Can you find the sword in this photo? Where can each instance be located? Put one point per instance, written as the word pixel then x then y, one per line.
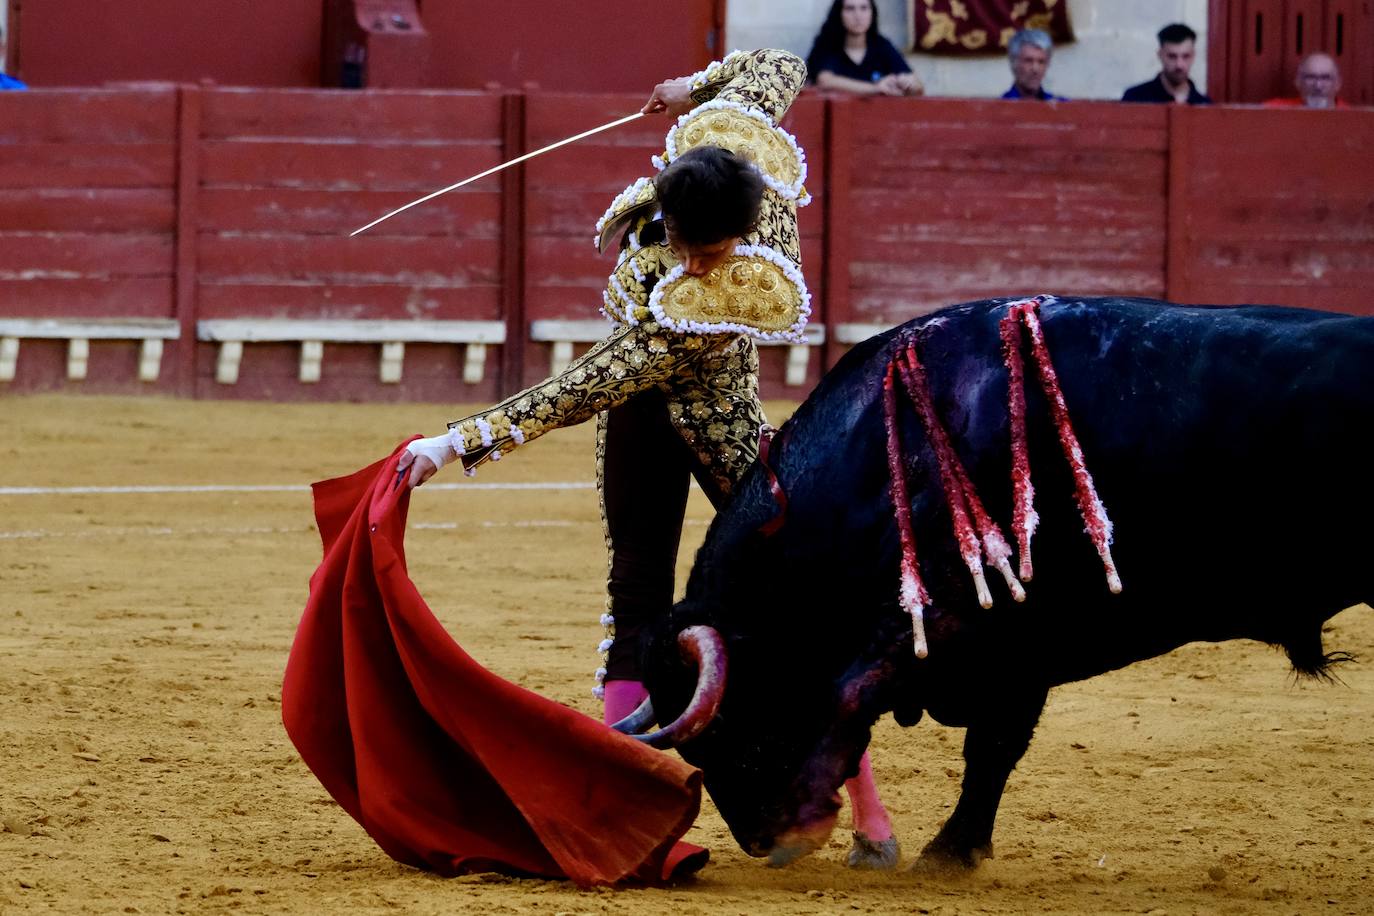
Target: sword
pixel 496 168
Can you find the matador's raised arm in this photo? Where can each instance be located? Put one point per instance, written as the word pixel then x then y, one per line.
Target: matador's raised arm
pixel 766 79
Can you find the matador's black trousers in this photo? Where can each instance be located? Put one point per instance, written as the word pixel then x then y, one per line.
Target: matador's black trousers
pixel 644 474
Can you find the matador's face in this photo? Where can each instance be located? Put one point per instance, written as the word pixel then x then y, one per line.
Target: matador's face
pixel 700 260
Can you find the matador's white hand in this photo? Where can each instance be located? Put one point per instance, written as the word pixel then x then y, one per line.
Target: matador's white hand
pixel 424 458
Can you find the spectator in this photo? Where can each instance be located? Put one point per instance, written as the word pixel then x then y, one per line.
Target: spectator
pixel 1029 53
pixel 851 56
pixel 1177 48
pixel 7 82
pixel 1318 82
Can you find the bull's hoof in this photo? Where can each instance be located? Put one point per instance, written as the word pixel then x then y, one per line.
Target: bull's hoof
pixel 938 858
pixel 878 855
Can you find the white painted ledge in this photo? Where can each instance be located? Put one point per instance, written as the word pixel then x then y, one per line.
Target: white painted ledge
pixel 79 332
pixel 232 333
pixel 858 333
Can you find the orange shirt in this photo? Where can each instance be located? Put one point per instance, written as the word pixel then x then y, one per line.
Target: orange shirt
pixel 1296 103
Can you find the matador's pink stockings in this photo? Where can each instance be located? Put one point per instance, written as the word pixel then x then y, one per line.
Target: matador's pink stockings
pixel 870 817
pixel 622 698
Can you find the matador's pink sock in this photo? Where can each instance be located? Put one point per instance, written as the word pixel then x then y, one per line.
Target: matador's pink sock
pixel 623 698
pixel 870 817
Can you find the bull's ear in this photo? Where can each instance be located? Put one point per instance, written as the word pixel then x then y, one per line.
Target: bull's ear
pixel 688 613
pixel 658 647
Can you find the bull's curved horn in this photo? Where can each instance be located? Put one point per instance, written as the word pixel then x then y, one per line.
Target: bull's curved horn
pixel 639 721
pixel 703 645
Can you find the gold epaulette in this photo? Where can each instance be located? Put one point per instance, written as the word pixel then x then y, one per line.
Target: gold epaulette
pixel 748 132
pixel 756 292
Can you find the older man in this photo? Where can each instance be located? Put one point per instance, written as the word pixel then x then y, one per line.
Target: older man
pixel 1177 51
pixel 1319 84
pixel 1029 53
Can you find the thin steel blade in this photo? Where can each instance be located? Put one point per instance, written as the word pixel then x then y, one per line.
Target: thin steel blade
pixel 496 168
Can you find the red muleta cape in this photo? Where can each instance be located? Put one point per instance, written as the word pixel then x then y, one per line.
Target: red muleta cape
pixel 447 766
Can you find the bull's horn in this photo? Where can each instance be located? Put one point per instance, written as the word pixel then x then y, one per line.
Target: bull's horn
pixel 704 646
pixel 639 721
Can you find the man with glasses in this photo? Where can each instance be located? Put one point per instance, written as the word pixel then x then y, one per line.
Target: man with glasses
pixel 1319 84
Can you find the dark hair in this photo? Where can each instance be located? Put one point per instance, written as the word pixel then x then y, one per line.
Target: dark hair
pixel 1176 34
pixel 830 39
pixel 709 194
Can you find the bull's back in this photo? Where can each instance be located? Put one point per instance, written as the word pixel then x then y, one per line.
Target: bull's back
pixel 1220 441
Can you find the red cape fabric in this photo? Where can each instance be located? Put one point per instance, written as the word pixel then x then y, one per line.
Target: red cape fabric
pixel 447 766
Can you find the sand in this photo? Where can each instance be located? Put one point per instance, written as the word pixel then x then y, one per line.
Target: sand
pixel 144 768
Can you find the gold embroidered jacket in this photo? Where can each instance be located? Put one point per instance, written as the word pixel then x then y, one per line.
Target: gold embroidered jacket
pixel 703 360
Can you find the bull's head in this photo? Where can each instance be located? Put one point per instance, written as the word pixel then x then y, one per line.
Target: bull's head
pixel 774 732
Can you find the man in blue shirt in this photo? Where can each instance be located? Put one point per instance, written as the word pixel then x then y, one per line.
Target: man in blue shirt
pixel 1029 53
pixel 8 82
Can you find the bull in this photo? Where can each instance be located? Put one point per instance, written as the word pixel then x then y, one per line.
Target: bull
pixel 1217 438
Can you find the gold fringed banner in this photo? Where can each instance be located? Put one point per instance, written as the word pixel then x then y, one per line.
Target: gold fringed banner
pixel 982 26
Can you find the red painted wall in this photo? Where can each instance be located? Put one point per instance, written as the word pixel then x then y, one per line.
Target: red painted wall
pixel 244 42
pixel 586 46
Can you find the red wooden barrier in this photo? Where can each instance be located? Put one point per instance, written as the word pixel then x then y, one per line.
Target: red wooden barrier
pixel 807 120
pixel 568 190
pixel 86 216
pixel 952 200
pixel 87 221
pixel 281 186
pixel 1276 206
pixel 205 205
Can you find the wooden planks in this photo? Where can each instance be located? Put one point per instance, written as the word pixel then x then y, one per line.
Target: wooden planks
pixel 210 203
pixel 286 175
pixel 952 201
pixel 87 217
pixel 568 190
pixel 1277 207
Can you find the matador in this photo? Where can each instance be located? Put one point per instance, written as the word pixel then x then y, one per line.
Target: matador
pixel 708 263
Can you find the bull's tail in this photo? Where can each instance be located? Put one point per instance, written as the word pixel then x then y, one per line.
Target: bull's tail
pixel 1310 659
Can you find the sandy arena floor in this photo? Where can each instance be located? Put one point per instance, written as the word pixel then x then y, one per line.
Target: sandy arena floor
pixel 144 769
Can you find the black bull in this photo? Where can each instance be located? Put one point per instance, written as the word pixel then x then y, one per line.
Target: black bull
pixel 1223 445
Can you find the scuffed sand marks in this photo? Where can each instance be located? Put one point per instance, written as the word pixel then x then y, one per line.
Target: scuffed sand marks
pixel 143 767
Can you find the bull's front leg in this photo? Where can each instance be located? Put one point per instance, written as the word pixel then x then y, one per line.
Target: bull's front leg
pixel 995 741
